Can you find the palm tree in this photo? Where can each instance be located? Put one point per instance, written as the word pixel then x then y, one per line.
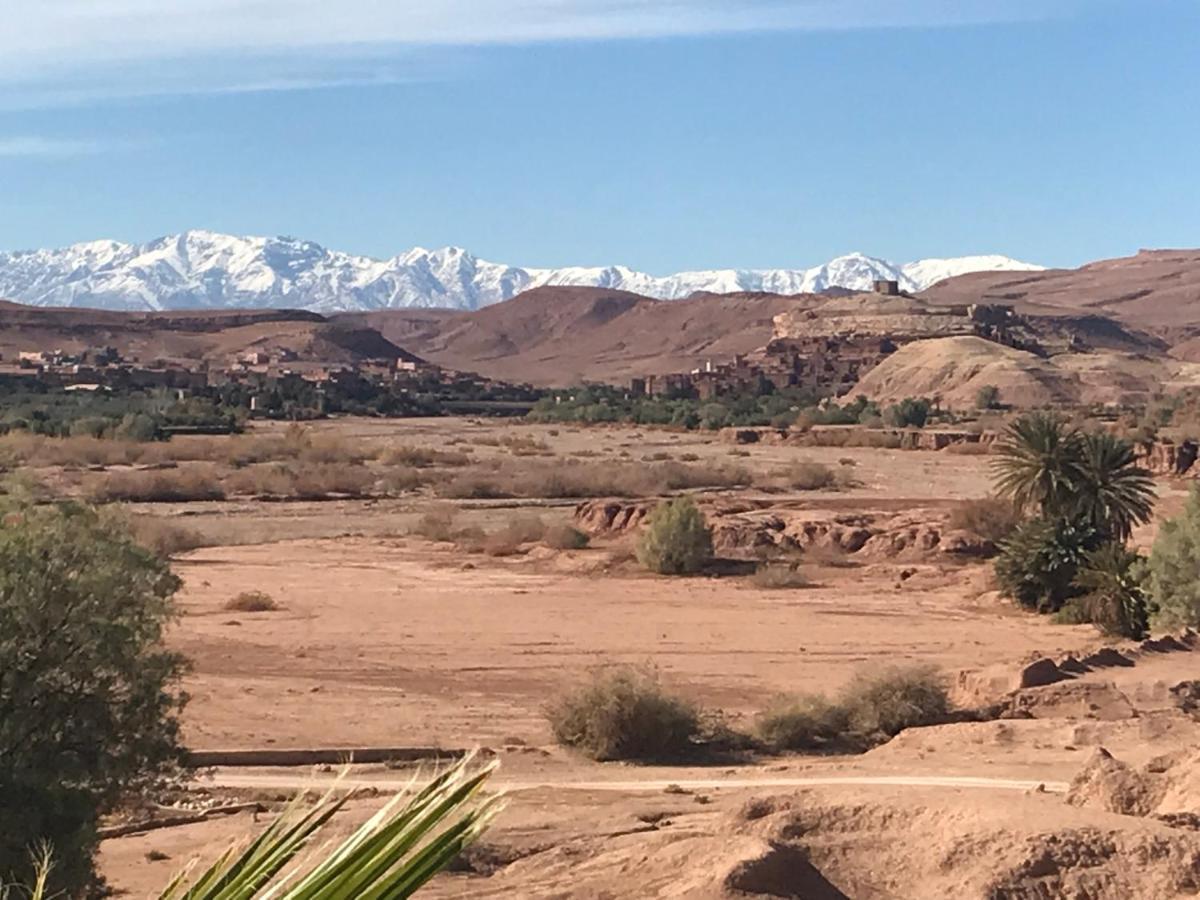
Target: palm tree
pixel 1114 493
pixel 1112 579
pixel 412 838
pixel 1039 464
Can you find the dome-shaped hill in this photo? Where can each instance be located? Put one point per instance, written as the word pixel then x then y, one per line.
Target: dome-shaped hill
pixel 953 369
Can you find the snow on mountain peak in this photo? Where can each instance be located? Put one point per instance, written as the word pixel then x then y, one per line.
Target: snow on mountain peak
pixel 207 269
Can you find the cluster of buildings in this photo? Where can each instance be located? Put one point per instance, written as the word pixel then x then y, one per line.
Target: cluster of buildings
pixel 104 368
pixel 827 346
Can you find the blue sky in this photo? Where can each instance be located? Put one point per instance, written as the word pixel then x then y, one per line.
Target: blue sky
pixel 661 134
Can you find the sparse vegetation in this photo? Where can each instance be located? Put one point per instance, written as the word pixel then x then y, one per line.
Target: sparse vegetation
pixel 987 397
pixel 809 476
pixel 184 484
pixel 438 524
pixel 565 537
pixel 676 540
pixel 625 713
pixel 779 576
pixel 576 478
pixel 991 518
pixel 873 707
pixel 251 602
pixel 888 701
pixel 803 722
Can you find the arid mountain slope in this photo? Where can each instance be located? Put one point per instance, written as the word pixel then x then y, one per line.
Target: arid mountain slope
pixel 214 336
pixel 1157 289
pixel 561 336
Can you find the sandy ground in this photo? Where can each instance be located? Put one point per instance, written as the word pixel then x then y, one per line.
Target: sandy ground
pixel 384 638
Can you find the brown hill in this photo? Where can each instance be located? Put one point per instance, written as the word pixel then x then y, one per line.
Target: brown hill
pixel 564 335
pixel 953 369
pixel 214 336
pixel 1156 289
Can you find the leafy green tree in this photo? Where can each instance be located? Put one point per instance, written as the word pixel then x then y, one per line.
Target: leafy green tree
pixel 677 539
pixel 1039 464
pixel 1114 596
pixel 89 697
pixel 908 413
pixel 1113 493
pixel 1174 568
pixel 987 397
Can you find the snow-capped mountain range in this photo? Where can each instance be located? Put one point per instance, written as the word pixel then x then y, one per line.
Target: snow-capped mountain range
pixel 204 269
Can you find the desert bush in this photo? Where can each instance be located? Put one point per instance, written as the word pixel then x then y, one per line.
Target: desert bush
pixel 908 413
pixel 991 518
pixel 624 714
pixel 779 577
pixel 37 450
pixel 401 480
pixel 89 697
pixel 251 602
pixel 1174 564
pixel 896 698
pixel 161 537
pixel 688 457
pixel 809 476
pixel 181 485
pixel 565 537
pixel 987 397
pixel 524 528
pixel 525 445
pixel 438 524
pixel 676 540
pixel 802 722
pixel 830 556
pixel 1039 560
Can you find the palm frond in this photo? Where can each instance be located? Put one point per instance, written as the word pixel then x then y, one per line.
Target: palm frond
pixel 413 837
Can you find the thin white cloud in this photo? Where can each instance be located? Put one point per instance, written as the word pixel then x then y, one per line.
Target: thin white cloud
pixel 38 147
pixel 56 46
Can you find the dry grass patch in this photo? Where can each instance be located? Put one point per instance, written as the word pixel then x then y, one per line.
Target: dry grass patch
pixel 162 537
pixel 779 577
pixel 577 479
pixel 565 537
pixel 252 602
pixel 438 524
pixel 81 450
pixel 423 457
pixel 302 481
pixel 182 485
pixel 991 518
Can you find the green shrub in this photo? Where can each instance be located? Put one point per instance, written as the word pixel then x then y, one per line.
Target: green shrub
pixel 908 413
pixel 803 722
pixel 625 714
pixel 896 698
pixel 1114 597
pixel 89 697
pixel 987 397
pixel 1038 562
pixel 1174 568
pixel 677 540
